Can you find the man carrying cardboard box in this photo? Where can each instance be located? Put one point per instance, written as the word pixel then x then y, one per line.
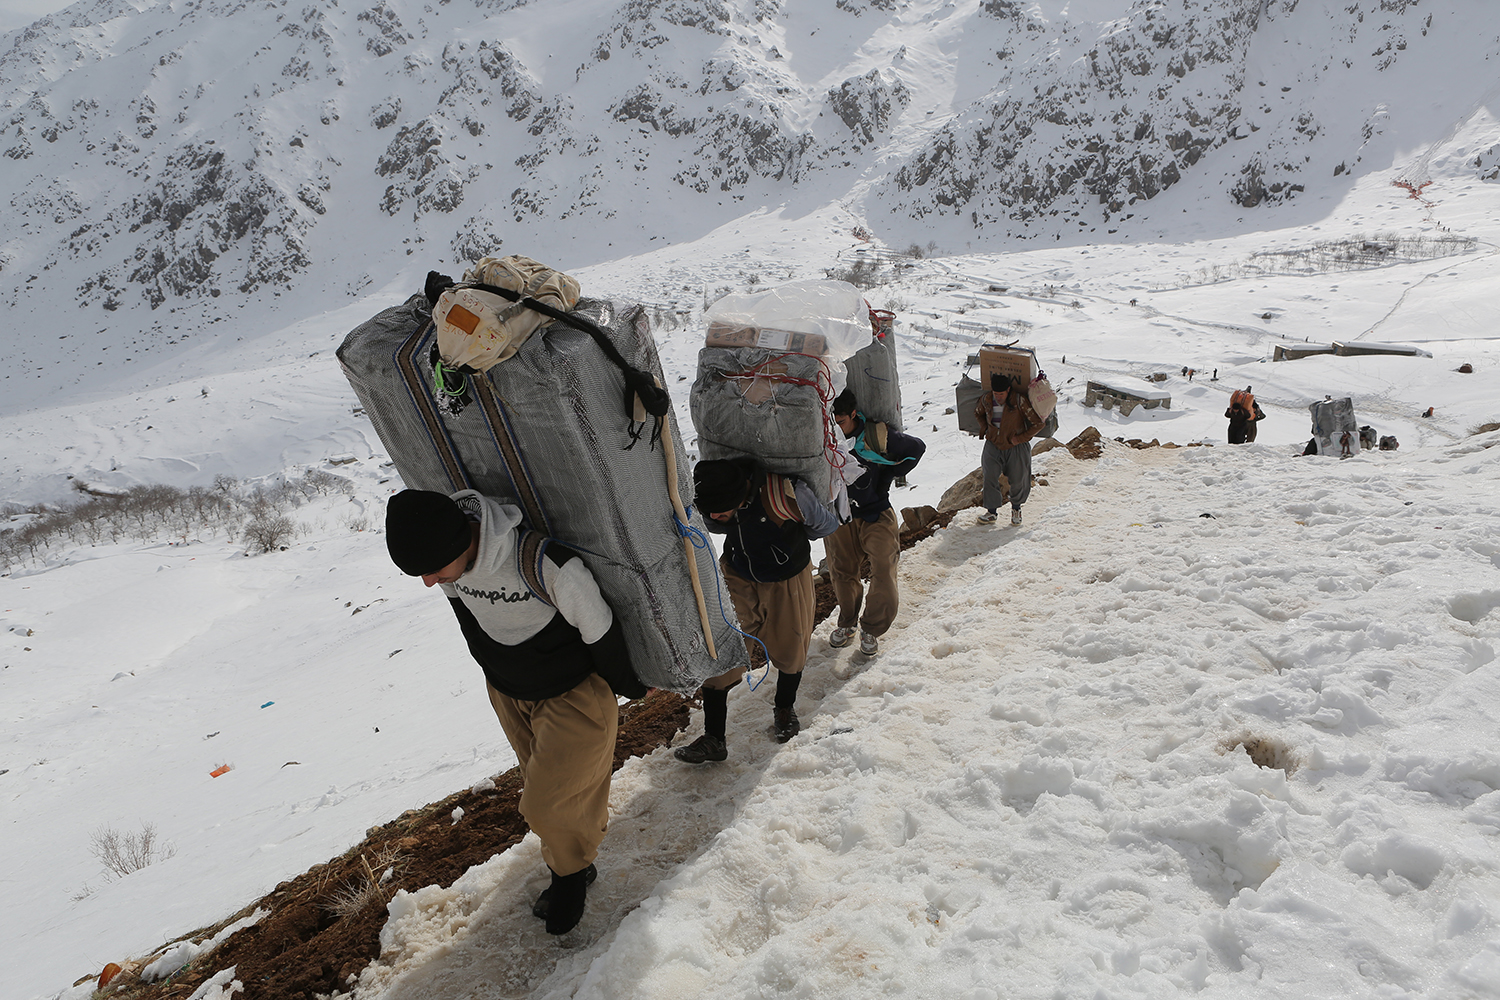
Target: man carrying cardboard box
pixel 1008 422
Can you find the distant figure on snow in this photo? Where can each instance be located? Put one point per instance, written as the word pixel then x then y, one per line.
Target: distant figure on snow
pixel 1008 422
pixel 1241 412
pixel 1346 442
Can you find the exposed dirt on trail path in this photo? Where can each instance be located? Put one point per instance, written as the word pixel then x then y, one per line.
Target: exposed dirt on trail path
pixel 324 925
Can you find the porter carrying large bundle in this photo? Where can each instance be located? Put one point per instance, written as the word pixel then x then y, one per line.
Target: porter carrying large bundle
pixel 767 379
pixel 547 428
pixel 1330 419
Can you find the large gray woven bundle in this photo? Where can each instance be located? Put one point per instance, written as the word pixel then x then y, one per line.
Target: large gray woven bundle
pixel 1330 419
pixel 786 431
pixel 557 409
pixel 875 381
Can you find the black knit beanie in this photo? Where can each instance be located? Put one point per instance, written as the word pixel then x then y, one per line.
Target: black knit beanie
pixel 722 484
pixel 425 531
pixel 844 404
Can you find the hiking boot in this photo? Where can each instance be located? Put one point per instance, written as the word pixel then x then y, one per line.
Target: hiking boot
pixel 1015 515
pixel 543 904
pixel 988 517
pixel 565 899
pixel 840 637
pixel 868 644
pixel 787 726
pixel 704 749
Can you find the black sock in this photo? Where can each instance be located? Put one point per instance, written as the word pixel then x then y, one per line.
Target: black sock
pixel 786 688
pixel 715 712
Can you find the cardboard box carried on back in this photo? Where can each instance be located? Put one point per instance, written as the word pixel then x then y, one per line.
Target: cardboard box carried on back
pixel 730 335
pixel 1019 363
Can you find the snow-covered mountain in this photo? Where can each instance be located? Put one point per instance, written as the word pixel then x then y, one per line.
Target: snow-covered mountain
pixel 176 170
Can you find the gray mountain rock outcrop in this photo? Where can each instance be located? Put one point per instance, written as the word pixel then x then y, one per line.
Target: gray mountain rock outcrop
pixel 174 154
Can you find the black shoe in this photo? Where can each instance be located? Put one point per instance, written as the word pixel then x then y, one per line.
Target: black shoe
pixel 702 750
pixel 543 902
pixel 561 904
pixel 787 726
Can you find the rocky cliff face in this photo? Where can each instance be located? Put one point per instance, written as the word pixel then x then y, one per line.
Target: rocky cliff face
pixel 1106 117
pixel 202 148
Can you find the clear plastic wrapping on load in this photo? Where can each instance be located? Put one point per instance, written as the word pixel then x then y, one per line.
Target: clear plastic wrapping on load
pixel 825 318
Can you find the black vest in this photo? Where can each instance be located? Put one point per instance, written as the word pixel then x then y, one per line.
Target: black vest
pixel 760 551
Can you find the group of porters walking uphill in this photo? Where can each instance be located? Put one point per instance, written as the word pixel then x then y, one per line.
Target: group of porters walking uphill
pixel 554 667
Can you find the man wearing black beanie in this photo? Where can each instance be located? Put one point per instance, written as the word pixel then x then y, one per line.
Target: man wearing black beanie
pixel 550 661
pixel 767 521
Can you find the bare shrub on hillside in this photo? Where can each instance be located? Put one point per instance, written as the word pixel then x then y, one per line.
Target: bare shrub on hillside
pixel 269 499
pixel 668 317
pixel 864 272
pixel 149 513
pixel 124 853
pixel 1357 253
pixel 354 896
pixel 319 482
pixel 710 296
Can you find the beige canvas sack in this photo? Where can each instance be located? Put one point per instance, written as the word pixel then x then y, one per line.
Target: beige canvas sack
pixel 481 329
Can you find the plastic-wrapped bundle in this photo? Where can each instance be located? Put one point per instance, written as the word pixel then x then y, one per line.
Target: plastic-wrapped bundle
pixel 779 417
pixel 1330 419
pixel 767 379
pixel 545 429
pixel 875 381
pixel 831 316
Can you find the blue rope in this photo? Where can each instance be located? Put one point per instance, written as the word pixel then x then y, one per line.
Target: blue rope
pixel 700 541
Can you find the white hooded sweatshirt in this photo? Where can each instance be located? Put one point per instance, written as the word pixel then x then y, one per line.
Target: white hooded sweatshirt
pixel 495 592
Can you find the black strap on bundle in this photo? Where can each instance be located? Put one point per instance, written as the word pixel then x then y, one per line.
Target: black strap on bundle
pixel 638 384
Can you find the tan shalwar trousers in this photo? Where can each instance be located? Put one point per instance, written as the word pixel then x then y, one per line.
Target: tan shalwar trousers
pixel 850 549
pixel 566 748
pixel 779 614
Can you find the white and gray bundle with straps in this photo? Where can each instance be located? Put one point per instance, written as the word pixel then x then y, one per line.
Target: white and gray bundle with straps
pixel 574 429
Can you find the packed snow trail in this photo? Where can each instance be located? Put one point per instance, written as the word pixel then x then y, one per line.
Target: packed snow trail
pixel 1041 785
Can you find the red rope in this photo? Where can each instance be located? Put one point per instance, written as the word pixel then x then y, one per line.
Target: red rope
pixel 822 384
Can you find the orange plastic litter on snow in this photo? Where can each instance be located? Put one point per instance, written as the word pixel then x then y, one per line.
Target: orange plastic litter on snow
pixel 110 971
pixel 221 769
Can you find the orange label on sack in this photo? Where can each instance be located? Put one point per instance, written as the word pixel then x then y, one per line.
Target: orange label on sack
pixel 463 319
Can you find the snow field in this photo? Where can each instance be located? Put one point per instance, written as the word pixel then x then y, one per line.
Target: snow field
pixel 1040 786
